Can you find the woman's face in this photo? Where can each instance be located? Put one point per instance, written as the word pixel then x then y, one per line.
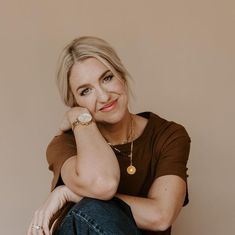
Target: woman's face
pixel 96 88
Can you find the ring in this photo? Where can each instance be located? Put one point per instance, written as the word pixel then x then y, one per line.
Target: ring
pixel 37 227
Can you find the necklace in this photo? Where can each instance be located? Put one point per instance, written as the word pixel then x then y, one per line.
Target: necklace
pixel 131 168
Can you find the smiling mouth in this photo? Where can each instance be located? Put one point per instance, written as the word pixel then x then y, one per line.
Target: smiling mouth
pixel 109 106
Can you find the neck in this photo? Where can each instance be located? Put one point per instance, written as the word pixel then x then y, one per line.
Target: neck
pixel 117 133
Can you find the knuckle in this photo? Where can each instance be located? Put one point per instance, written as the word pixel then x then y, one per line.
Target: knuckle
pixel 36 213
pixel 39 213
pixel 46 215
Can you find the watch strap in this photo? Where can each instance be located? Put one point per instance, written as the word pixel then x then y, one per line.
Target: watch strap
pixel 77 122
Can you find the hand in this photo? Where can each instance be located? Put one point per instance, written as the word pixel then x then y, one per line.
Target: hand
pixel 55 201
pixel 70 116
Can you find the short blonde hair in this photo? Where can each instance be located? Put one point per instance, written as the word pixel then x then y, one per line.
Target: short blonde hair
pixel 80 49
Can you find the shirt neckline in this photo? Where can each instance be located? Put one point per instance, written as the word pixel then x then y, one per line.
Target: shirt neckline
pixel 140 138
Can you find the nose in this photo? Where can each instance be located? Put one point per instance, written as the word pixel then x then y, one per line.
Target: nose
pixel 102 95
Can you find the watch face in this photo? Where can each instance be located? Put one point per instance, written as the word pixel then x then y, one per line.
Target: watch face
pixel 85 118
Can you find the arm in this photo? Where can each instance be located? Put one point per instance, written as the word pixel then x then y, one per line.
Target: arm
pixel 94 171
pixel 78 173
pixel 159 210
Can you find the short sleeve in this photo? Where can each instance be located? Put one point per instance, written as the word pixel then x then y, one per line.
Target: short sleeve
pixel 58 151
pixel 174 153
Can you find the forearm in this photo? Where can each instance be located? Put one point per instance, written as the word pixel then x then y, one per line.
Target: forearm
pixel 148 213
pixel 95 156
pixel 94 171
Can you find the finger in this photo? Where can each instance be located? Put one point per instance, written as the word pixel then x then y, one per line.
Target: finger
pixel 46 228
pixel 65 124
pixel 60 132
pixel 36 228
pixel 45 224
pixel 40 222
pixel 29 232
pixel 32 229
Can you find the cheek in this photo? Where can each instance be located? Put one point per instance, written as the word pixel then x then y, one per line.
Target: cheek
pixel 86 102
pixel 120 87
pixel 124 91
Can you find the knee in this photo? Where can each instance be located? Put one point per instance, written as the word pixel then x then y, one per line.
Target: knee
pixel 88 204
pixel 101 215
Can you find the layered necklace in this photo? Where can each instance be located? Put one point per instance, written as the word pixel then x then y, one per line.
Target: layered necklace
pixel 131 168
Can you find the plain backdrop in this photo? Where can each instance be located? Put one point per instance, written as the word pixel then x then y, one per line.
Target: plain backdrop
pixel 181 55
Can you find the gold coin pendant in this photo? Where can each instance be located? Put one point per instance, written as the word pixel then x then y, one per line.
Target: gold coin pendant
pixel 131 170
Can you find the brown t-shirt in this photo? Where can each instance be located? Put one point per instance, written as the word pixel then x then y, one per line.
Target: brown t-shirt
pixel 162 149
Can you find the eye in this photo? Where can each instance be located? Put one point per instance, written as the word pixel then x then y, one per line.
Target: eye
pixel 108 78
pixel 85 91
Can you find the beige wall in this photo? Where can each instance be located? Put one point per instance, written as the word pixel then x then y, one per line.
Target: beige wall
pixel 182 57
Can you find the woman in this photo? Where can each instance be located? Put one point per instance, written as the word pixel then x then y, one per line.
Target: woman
pixel 115 172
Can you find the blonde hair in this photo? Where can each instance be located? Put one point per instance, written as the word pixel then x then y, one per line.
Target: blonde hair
pixel 83 48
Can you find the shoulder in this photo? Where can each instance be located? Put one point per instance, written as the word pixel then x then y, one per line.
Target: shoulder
pixel 62 138
pixel 161 132
pixel 63 143
pixel 162 125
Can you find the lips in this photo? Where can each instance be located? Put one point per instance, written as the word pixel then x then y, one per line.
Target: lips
pixel 109 106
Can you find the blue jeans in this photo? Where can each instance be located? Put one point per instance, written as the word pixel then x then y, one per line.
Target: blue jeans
pixel 93 216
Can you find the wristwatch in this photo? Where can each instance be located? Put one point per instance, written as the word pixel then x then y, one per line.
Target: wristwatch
pixel 84 119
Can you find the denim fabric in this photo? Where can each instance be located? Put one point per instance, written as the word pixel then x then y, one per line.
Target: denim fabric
pixel 93 216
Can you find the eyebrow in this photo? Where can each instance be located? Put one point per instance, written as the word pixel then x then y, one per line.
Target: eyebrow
pixel 100 77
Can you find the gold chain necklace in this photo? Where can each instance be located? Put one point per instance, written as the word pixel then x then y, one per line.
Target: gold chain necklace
pixel 131 168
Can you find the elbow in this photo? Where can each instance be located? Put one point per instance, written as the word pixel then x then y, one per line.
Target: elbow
pixel 164 224
pixel 104 189
pixel 161 222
